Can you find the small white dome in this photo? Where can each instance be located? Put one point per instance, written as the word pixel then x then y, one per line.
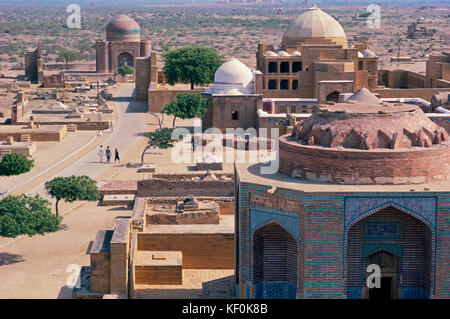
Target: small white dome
pixel 234 78
pixel 296 53
pixel 270 53
pixel 283 53
pixel 368 53
pixel 233 72
pixel 360 55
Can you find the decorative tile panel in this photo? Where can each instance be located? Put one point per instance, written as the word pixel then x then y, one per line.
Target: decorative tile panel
pixel 424 208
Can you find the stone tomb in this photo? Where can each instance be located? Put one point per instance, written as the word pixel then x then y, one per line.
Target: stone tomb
pixel 158 268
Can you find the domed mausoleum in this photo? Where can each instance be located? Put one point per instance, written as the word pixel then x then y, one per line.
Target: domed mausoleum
pixel 123 28
pixel 122 46
pixel 367 144
pixel 354 184
pixel 314 61
pixel 314 26
pixel 234 97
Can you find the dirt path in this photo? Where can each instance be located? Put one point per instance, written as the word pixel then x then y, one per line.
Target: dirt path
pixel 35 267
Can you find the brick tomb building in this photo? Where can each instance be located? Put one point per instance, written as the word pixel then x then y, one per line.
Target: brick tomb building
pixel 358 184
pixel 122 46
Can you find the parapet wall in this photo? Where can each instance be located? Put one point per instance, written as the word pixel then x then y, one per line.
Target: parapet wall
pixel 347 166
pixel 165 188
pixel 425 94
pixel 157 98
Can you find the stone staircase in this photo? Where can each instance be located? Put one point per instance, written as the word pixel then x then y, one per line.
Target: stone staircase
pixel 25 138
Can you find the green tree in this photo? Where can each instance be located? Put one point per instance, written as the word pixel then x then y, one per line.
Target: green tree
pixel 161 139
pixel 15 164
pixel 186 106
pixel 72 188
pixel 28 215
pixel 125 69
pixel 67 56
pixel 192 64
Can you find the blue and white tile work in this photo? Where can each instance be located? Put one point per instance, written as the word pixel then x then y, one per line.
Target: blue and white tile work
pixel 321 222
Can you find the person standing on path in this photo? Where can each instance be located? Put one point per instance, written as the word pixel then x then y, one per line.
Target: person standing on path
pixel 101 153
pixel 108 154
pixel 116 156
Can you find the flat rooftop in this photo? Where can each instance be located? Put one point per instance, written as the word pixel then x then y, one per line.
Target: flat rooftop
pixel 251 173
pixel 22 129
pixel 225 226
pixel 191 288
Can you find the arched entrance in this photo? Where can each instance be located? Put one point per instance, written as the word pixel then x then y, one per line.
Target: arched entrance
pixel 388 264
pixel 125 59
pixel 333 97
pixel 275 262
pixel 400 244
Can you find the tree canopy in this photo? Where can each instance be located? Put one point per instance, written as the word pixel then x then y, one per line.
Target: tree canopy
pixel 192 64
pixel 160 138
pixel 72 188
pixel 186 106
pixel 15 164
pixel 125 69
pixel 28 215
pixel 65 55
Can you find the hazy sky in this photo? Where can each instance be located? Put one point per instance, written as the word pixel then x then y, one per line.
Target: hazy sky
pixel 319 2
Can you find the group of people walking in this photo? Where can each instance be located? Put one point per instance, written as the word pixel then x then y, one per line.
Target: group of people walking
pixel 102 152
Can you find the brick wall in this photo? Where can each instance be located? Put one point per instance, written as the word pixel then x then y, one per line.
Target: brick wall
pixel 323 217
pixel 425 94
pixel 120 247
pixel 165 188
pixel 157 98
pixel 349 167
pixel 200 251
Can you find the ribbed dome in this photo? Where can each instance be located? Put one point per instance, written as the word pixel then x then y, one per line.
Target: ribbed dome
pixel 368 53
pixel 315 26
pixel 233 77
pixel 363 95
pixel 123 28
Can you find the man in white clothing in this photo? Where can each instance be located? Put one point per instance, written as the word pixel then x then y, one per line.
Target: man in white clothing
pixel 101 152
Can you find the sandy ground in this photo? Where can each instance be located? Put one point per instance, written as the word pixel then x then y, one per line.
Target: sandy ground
pixel 35 267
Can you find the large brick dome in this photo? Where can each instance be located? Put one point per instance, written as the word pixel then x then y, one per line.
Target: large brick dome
pixel 123 28
pixel 314 26
pixel 367 144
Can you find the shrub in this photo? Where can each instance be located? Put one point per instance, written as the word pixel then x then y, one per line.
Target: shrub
pixel 15 164
pixel 125 69
pixel 26 215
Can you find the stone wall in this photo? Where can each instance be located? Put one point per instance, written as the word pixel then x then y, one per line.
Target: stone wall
pixel 159 97
pixel 100 280
pixel 37 135
pixel 425 94
pixel 120 249
pixel 165 188
pixel 200 250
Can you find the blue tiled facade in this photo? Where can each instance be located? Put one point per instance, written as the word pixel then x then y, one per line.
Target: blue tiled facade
pixel 321 222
